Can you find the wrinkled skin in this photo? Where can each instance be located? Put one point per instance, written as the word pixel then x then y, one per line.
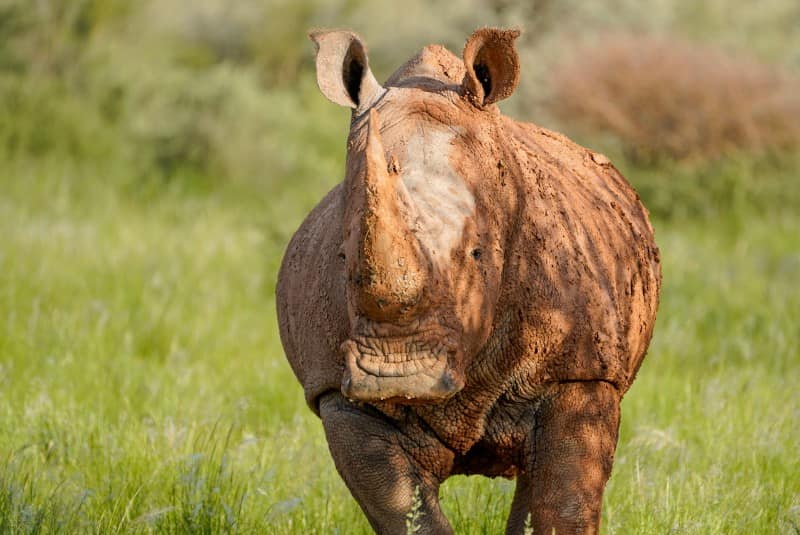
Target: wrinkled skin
pixel 474 298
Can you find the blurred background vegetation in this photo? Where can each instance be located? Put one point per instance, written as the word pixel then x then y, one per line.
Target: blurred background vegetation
pixel 215 94
pixel 156 156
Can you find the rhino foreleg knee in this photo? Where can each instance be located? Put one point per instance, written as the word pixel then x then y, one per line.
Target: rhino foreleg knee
pixel 382 466
pixel 569 461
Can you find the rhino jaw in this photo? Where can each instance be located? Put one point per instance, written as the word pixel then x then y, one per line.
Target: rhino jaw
pixel 418 377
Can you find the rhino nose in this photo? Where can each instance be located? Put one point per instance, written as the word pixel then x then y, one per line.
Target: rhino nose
pixel 390 294
pixel 390 271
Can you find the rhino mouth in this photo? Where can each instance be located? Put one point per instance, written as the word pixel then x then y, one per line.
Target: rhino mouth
pixel 417 368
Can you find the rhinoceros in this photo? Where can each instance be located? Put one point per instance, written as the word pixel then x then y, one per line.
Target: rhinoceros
pixel 475 297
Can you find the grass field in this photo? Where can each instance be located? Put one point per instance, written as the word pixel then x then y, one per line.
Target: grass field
pixel 143 387
pixel 155 158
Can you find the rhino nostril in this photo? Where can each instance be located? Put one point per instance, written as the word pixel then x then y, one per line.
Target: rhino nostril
pixel 357 278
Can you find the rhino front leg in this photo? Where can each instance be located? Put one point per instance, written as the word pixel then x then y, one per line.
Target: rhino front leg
pixel 569 461
pixel 382 466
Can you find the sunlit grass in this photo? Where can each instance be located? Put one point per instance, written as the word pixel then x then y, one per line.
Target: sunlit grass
pixel 155 157
pixel 144 387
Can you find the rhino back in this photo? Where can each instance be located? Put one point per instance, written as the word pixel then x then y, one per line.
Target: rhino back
pixel 310 292
pixel 585 260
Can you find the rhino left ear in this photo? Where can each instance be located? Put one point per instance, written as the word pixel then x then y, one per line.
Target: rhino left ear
pixel 492 65
pixel 343 73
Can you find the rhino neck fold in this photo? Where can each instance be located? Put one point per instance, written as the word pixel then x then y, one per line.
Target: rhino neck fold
pixel 391 266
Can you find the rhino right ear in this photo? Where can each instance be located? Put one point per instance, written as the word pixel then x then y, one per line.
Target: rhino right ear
pixel 492 65
pixel 343 73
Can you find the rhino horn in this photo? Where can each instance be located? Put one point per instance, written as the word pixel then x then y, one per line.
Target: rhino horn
pixel 391 273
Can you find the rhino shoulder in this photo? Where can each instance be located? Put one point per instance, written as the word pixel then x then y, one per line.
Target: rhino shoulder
pixel 541 142
pixel 590 242
pixel 310 297
pixel 311 239
pixel 573 168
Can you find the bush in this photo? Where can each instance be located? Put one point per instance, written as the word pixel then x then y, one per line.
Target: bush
pixel 741 186
pixel 666 98
pixel 41 116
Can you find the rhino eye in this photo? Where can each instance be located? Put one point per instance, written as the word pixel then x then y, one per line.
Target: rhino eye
pixel 476 254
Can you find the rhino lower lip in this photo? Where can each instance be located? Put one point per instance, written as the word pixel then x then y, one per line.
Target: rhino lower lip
pixel 395 357
pixel 422 374
pixel 412 365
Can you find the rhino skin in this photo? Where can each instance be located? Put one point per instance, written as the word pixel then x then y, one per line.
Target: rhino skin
pixel 475 297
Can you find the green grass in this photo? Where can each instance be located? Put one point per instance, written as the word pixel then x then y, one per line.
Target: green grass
pixel 155 158
pixel 143 387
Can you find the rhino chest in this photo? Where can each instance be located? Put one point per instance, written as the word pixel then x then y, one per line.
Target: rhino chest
pixel 480 418
pixel 494 442
pixel 484 410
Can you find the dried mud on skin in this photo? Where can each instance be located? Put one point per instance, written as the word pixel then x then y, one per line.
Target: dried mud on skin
pixel 477 289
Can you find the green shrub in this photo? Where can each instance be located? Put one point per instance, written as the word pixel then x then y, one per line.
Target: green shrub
pixel 42 116
pixel 740 185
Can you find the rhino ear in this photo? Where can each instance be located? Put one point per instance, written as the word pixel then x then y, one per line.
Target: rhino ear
pixel 492 65
pixel 343 73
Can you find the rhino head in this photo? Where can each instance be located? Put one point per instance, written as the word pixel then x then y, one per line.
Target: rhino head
pixel 423 235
